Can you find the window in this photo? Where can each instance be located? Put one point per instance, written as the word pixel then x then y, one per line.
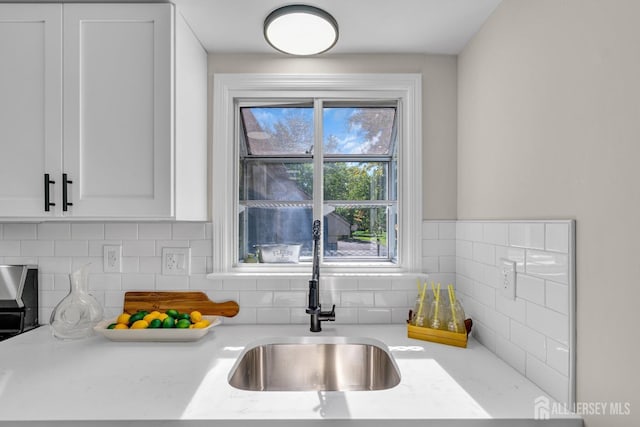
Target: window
pixel 342 150
pixel 355 167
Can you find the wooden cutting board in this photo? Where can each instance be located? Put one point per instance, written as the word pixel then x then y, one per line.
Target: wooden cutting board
pixel 184 302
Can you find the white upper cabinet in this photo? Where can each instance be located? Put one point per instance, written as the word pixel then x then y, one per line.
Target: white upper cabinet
pixel 118 114
pixel 30 107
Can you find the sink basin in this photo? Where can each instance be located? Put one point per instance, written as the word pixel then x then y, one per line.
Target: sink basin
pixel 315 364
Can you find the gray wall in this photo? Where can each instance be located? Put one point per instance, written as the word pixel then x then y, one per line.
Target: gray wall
pixel 549 127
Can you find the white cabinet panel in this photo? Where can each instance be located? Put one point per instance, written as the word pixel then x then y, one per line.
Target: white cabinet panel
pixel 118 133
pixel 30 106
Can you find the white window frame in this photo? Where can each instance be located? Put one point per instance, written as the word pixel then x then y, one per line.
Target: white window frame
pixel 228 88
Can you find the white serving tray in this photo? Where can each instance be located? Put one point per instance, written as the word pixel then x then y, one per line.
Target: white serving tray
pixel 158 334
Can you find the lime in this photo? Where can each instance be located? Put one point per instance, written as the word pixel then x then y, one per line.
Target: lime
pixel 185 316
pixel 135 317
pixel 111 326
pixel 183 324
pixel 173 313
pixel 169 322
pixel 155 323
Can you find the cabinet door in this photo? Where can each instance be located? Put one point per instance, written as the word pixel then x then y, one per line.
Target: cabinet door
pixel 118 115
pixel 30 107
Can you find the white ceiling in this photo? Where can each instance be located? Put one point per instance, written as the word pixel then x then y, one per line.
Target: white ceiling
pixel 366 26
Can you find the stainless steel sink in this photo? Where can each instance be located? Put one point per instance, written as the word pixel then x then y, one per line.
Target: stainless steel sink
pixel 315 364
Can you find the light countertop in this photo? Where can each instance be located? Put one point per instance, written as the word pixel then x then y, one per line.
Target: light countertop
pixel 45 381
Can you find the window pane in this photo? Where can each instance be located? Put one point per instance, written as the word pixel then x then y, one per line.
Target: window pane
pixel 276 180
pixel 277 130
pixel 359 233
pixel 275 225
pixel 362 130
pixel 355 181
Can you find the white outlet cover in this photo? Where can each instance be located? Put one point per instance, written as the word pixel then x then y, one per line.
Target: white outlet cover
pixel 508 278
pixel 112 258
pixel 176 261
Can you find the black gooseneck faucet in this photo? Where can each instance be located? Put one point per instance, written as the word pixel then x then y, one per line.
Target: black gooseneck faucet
pixel 315 308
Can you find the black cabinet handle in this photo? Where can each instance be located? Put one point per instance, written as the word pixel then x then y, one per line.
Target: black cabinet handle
pixel 47 195
pixel 65 200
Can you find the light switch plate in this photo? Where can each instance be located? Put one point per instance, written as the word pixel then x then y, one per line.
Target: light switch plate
pixel 176 261
pixel 508 278
pixel 112 258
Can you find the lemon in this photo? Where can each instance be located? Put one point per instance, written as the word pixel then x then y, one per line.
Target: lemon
pixel 201 324
pixel 162 316
pixel 140 324
pixel 149 317
pixel 121 326
pixel 195 316
pixel 123 318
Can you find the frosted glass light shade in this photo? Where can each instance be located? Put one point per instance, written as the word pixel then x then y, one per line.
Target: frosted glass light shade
pixel 301 30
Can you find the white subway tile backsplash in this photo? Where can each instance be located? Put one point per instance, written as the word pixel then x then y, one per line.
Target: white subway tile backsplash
pixel 138 248
pixel 391 299
pixel 150 264
pixel 514 309
pixel 201 247
pixel 291 299
pixel 272 315
pixel 138 282
pixel 548 265
pixel 557 297
pixel 496 233
pixel 53 231
pixel 189 230
pixel 121 231
pixel 430 230
pixel 82 231
pixel 547 378
pixel 374 315
pixel 464 249
pixel 531 341
pixel 9 247
pixel 558 356
pixel 527 235
pixel 170 283
pixel 548 322
pixel 484 253
pixel 523 332
pixel 71 248
pixel 357 299
pixel 374 284
pixel 19 232
pixel 37 248
pixel 511 353
pixel 447 230
pixel 530 288
pixel 154 231
pixel 557 237
pixel 256 299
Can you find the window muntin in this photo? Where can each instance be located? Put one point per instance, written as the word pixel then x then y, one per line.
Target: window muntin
pixel 278 166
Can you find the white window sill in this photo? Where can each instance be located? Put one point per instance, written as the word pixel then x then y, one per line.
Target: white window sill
pixel 307 274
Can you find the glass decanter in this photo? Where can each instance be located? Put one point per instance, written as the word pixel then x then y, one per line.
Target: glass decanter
pixel 76 315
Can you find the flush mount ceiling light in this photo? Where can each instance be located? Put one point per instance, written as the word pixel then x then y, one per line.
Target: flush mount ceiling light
pixel 299 29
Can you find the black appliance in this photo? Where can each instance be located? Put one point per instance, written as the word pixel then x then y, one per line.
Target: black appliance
pixel 18 299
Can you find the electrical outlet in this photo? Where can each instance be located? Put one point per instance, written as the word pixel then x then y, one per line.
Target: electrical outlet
pixel 508 278
pixel 112 258
pixel 176 261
